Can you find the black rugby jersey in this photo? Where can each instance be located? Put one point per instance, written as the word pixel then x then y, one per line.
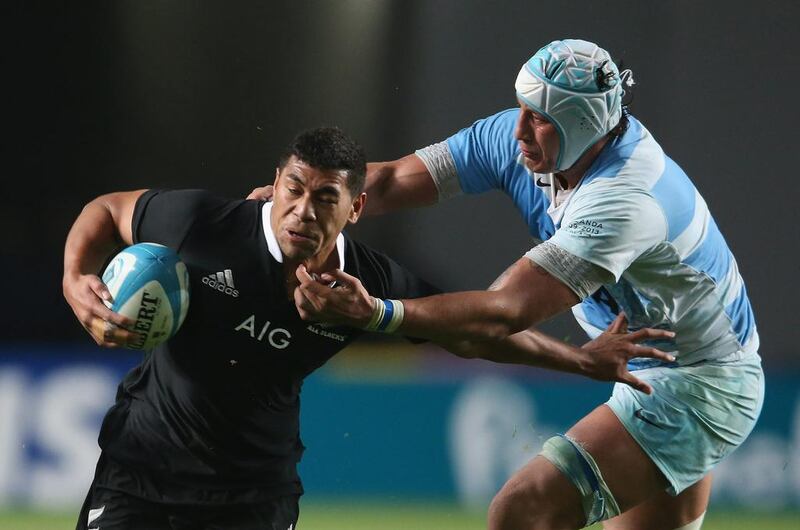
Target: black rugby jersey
pixel 212 415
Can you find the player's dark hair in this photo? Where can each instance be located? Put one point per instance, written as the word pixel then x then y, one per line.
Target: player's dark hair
pixel 624 122
pixel 330 148
pixel 622 125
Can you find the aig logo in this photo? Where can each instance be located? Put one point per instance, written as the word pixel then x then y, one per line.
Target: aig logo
pixel 278 338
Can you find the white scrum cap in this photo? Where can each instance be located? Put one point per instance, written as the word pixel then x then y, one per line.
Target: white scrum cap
pixel 577 87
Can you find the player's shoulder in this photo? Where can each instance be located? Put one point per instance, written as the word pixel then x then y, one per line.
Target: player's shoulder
pixel 199 201
pixel 381 275
pixel 492 137
pixel 363 261
pixel 179 212
pixel 505 115
pixel 503 121
pixel 631 162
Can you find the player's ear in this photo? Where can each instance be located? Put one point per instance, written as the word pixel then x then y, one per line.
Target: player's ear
pixel 357 207
pixel 277 174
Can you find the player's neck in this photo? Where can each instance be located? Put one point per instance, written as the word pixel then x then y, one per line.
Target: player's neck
pixel 324 261
pixel 569 178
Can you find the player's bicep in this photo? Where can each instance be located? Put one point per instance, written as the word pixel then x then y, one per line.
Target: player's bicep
pixel 531 293
pixel 167 216
pixel 403 183
pixel 120 206
pixel 480 153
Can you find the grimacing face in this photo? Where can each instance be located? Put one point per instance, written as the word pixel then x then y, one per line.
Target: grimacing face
pixel 311 206
pixel 538 140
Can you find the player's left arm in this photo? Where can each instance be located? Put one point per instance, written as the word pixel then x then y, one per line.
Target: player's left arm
pixel 604 358
pixel 523 296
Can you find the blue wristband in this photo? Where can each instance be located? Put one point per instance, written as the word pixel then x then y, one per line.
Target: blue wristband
pixel 387 316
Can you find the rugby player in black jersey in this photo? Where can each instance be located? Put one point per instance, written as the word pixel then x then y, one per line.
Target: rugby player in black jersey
pixel 205 431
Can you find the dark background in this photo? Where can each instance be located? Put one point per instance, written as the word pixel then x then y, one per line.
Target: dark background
pixel 127 95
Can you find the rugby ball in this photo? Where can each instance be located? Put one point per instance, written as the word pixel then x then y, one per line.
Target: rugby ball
pixel 149 284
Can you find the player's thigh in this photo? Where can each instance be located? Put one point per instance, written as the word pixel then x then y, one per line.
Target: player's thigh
pixel 280 513
pixel 542 495
pixel 627 470
pixel 112 510
pixel 537 496
pixel 665 512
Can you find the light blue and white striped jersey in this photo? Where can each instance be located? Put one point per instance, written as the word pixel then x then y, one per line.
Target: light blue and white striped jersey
pixel 637 215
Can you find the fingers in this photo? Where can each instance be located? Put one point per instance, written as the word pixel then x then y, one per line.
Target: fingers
pixel 304 276
pixel 650 333
pixel 619 325
pixel 308 295
pixel 263 193
pixel 110 335
pixel 99 309
pixel 636 383
pixel 90 299
pixel 654 353
pixel 340 278
pixel 304 306
pixel 100 289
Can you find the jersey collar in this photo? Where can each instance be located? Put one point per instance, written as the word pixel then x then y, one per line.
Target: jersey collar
pixel 272 241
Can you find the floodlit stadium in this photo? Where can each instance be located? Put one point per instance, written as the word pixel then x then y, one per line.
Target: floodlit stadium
pixel 393 434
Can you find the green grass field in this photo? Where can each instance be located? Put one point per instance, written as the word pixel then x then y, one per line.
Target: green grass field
pixel 373 516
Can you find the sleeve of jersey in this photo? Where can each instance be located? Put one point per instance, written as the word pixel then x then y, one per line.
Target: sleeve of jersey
pixel 474 159
pixel 581 276
pixel 167 216
pixel 610 227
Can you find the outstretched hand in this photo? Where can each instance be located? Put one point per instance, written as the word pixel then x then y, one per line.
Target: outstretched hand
pixel 609 353
pixel 333 298
pixel 86 294
pixel 264 193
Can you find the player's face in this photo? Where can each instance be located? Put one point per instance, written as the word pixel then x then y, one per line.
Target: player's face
pixel 538 140
pixel 310 208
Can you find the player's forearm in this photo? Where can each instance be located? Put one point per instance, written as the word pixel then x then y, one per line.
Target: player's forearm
pixel 529 347
pixel 470 315
pixel 92 238
pixel 538 349
pixel 396 185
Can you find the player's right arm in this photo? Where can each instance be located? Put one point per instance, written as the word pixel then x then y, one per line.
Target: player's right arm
pixel 472 160
pixel 402 183
pixel 103 226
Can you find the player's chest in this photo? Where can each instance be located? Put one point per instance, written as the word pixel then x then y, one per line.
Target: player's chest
pixel 247 308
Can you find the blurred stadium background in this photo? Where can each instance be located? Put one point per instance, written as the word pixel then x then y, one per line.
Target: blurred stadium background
pixel 131 94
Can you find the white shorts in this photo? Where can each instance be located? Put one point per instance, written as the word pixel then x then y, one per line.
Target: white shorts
pixel 696 416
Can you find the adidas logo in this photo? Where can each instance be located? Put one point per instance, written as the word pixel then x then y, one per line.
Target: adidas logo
pixel 222 282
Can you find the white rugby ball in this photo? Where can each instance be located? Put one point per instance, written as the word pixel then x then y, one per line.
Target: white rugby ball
pixel 149 284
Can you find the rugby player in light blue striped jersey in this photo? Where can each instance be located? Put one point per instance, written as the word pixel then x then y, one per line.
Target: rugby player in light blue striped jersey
pixel 624 230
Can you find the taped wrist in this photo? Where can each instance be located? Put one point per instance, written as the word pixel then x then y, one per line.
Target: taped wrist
pixel 387 315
